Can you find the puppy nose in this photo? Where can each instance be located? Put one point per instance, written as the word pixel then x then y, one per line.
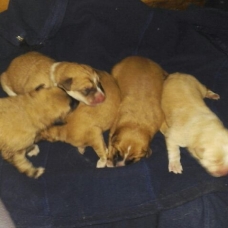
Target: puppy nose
pixel 98 98
pixel 117 160
pixel 220 173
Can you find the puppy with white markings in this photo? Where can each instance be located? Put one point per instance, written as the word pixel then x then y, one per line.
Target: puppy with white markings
pixel 85 125
pixel 33 69
pixel 190 123
pixel 140 115
pixel 22 117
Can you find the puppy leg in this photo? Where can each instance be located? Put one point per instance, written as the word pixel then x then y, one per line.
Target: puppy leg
pixel 100 148
pixel 81 150
pixel 211 95
pixel 174 157
pixel 33 150
pixel 19 160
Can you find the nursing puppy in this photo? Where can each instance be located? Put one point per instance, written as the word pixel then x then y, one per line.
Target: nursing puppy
pixel 22 117
pixel 140 115
pixel 85 125
pixel 190 123
pixel 32 70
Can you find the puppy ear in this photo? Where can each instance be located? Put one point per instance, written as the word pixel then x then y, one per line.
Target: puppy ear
pixel 211 95
pixel 66 84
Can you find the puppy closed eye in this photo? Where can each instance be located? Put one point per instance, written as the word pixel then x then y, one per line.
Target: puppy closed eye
pixel 87 91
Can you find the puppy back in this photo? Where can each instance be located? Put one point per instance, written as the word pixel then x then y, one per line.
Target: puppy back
pixel 139 74
pixel 27 71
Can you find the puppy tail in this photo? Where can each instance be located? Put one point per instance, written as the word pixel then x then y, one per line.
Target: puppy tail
pixel 5 83
pixel 211 95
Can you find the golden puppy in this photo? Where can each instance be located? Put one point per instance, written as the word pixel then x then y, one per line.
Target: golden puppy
pixel 85 125
pixel 190 123
pixel 32 70
pixel 140 115
pixel 22 117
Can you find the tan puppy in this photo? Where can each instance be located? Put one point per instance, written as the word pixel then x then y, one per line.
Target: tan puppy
pixel 32 70
pixel 140 115
pixel 22 117
pixel 190 123
pixel 84 126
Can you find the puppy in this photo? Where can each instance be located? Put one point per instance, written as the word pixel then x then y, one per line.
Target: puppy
pixel 22 117
pixel 85 125
pixel 190 123
pixel 140 115
pixel 32 70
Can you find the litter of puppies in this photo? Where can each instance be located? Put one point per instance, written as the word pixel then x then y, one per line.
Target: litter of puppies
pixel 135 101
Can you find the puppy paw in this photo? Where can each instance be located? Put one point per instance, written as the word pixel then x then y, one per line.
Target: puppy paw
pixel 175 167
pixel 101 163
pixel 34 151
pixel 39 171
pixel 109 164
pixel 81 150
pixel 35 172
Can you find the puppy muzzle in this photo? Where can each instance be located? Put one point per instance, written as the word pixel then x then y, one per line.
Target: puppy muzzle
pixel 119 161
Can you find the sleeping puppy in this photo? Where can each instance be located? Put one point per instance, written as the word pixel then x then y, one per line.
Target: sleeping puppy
pixel 140 115
pixel 85 125
pixel 32 70
pixel 22 117
pixel 190 123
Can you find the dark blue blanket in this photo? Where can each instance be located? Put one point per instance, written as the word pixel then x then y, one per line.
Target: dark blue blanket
pixel 72 192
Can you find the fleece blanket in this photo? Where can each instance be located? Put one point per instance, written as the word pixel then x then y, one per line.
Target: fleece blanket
pixel 72 192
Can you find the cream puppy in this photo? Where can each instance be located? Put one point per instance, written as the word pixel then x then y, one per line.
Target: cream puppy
pixel 140 115
pixel 85 125
pixel 33 69
pixel 190 123
pixel 22 117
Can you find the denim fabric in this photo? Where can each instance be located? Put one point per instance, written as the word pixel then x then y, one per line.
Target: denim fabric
pixel 34 21
pixel 72 192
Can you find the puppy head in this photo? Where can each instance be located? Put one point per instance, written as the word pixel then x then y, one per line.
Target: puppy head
pixel 126 149
pixel 80 81
pixel 214 158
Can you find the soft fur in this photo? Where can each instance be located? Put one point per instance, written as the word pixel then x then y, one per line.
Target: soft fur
pixel 191 124
pixel 33 70
pixel 140 115
pixel 22 117
pixel 84 126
